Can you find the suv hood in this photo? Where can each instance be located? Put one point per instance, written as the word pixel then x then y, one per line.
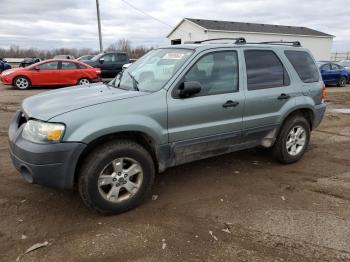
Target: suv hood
pixel 50 104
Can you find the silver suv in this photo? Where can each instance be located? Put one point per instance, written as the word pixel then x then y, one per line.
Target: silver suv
pixel 175 105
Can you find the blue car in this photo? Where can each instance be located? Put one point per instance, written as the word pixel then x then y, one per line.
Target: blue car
pixel 4 66
pixel 333 74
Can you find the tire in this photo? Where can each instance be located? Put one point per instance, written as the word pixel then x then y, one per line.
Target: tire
pixel 84 81
pixel 99 191
pixel 22 82
pixel 342 81
pixel 284 152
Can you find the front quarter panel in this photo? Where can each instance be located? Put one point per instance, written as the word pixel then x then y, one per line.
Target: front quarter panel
pixel 146 113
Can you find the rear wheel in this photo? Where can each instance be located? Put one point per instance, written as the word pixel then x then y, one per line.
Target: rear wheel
pixel 116 177
pixel 21 82
pixel 292 140
pixel 84 81
pixel 342 81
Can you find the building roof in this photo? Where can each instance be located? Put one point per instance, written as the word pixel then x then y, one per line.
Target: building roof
pixel 253 27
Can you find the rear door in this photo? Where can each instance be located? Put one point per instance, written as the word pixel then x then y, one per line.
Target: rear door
pixel 68 73
pixel 47 74
pixel 268 90
pixel 209 122
pixel 337 72
pixel 122 59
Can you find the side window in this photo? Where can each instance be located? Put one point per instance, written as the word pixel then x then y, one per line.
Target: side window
pixel 49 66
pixel 68 65
pixel 326 67
pixel 217 72
pixel 335 67
pixel 121 57
pixel 109 58
pixel 80 66
pixel 303 65
pixel 264 70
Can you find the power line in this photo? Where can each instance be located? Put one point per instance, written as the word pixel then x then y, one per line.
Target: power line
pixel 146 14
pixel 143 12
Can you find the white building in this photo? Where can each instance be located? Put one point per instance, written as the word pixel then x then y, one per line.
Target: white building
pixel 190 29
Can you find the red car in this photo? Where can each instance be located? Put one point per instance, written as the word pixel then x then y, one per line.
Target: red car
pixel 52 72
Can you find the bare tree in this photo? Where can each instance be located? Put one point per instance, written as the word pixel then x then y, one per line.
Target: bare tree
pixel 123 45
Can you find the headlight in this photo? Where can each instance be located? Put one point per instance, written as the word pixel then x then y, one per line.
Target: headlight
pixel 42 132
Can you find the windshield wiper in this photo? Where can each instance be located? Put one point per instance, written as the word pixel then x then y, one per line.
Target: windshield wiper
pixel 135 83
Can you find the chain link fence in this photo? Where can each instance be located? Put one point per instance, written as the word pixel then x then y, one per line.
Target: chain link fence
pixel 340 56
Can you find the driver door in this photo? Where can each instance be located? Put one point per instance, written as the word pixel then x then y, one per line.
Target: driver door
pixel 107 65
pixel 45 74
pixel 210 122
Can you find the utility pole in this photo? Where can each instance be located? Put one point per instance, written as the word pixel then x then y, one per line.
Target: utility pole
pixel 99 25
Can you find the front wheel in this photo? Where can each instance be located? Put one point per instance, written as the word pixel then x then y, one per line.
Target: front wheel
pixel 342 81
pixel 22 82
pixel 292 140
pixel 116 177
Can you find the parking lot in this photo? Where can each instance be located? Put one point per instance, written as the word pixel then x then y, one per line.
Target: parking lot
pixel 242 206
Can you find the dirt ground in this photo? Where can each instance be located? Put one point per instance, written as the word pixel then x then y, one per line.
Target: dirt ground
pixel 238 207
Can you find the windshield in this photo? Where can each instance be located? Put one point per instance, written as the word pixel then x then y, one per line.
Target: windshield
pixel 319 64
pixel 151 72
pixel 344 63
pixel 96 57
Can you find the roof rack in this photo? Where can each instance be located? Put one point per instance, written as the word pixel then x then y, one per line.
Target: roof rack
pixel 291 43
pixel 242 41
pixel 239 40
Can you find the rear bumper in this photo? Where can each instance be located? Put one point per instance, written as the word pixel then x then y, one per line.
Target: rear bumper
pixel 319 114
pixel 51 165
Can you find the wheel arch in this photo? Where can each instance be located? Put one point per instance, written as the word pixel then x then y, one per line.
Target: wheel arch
pixel 306 112
pixel 14 79
pixel 139 137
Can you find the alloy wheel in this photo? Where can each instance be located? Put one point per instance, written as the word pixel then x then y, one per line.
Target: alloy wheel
pixel 22 83
pixel 120 180
pixel 84 81
pixel 296 140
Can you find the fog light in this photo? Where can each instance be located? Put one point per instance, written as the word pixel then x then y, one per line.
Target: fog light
pixel 25 173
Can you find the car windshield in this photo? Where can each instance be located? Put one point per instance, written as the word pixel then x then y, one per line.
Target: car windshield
pixel 96 57
pixel 319 64
pixel 151 72
pixel 344 63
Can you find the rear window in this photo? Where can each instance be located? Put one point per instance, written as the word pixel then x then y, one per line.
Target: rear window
pixel 264 70
pixel 68 65
pixel 303 65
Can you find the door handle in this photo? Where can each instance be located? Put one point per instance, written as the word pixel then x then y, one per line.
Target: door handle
pixel 283 96
pixel 230 103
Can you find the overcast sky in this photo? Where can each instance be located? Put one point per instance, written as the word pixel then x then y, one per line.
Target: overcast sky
pixel 72 23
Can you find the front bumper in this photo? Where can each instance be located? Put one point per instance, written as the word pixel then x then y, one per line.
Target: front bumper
pixel 6 80
pixel 51 165
pixel 319 114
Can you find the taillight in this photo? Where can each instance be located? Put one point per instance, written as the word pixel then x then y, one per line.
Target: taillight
pixel 324 93
pixel 98 71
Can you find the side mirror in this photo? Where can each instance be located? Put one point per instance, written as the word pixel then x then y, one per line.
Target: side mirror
pixel 37 68
pixel 189 88
pixel 101 60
